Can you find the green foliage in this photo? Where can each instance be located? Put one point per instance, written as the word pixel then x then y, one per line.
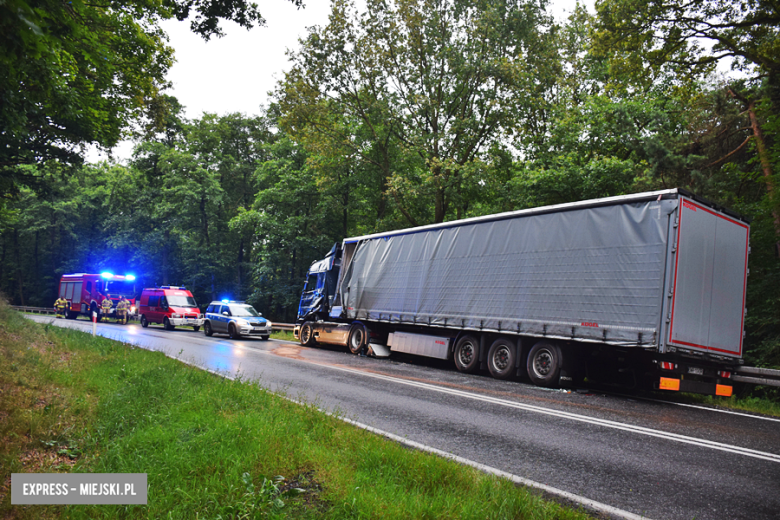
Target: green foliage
pixel 77 73
pixel 418 92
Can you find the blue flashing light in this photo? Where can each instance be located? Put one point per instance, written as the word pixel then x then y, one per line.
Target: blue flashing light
pixel 225 301
pixel 130 277
pixel 107 275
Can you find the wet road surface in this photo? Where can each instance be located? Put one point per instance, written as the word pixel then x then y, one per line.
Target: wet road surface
pixel 650 458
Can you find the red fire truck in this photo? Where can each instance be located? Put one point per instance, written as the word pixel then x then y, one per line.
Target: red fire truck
pixel 85 292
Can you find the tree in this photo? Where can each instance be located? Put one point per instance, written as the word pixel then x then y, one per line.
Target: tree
pixel 76 73
pixel 421 90
pixel 644 36
pixel 292 225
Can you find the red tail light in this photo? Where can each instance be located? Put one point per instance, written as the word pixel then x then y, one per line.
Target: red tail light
pixel 666 365
pixel 724 373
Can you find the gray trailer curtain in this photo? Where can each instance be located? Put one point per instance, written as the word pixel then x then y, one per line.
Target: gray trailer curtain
pixel 594 274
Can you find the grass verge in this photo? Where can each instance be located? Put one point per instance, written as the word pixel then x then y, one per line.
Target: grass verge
pixel 750 403
pixel 212 447
pixel 285 335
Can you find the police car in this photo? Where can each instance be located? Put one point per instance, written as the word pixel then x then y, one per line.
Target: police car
pixel 235 319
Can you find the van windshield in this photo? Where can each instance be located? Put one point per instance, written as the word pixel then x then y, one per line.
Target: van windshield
pixel 181 301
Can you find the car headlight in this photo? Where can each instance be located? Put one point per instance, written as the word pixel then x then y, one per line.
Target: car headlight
pixel 132 309
pixel 243 323
pixel 268 323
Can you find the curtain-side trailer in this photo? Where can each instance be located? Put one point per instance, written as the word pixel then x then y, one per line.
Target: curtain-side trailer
pixel 644 287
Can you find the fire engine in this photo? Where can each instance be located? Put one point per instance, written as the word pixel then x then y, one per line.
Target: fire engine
pixel 85 292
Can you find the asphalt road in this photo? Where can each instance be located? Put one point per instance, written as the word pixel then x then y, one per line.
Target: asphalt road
pixel 650 458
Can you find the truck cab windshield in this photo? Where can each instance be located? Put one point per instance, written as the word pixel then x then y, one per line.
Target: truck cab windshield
pixel 117 288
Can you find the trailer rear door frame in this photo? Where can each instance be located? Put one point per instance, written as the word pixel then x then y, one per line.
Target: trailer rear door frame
pixel 709 281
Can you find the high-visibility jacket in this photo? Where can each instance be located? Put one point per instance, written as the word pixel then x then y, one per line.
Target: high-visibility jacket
pixel 106 305
pixel 61 303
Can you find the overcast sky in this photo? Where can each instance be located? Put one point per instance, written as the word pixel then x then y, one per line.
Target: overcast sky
pixel 235 73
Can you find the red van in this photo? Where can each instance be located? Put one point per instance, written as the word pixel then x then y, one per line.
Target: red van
pixel 170 306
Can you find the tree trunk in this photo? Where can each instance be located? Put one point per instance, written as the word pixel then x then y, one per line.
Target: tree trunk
pixel 766 165
pixel 19 274
pixel 239 263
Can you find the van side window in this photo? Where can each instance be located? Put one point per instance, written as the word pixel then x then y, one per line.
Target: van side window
pixel 163 301
pixel 153 301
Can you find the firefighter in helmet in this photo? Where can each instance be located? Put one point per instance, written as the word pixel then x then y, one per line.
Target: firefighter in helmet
pixel 105 306
pixel 121 310
pixel 59 307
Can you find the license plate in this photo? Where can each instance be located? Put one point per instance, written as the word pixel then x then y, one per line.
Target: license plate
pixel 696 371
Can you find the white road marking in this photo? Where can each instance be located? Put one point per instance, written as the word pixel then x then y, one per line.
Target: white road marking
pixel 699 407
pixel 704 443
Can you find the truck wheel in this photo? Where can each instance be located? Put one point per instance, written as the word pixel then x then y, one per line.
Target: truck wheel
pixel 307 335
pixel 167 324
pixel 357 338
pixel 233 333
pixel 467 354
pixel 207 329
pixel 144 323
pixel 544 364
pixel 501 358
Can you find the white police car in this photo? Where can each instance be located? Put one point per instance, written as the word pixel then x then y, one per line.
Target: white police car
pixel 235 319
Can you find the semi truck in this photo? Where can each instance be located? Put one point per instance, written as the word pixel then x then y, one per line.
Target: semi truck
pixel 642 289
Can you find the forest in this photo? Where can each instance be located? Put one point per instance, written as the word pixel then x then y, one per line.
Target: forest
pixel 396 113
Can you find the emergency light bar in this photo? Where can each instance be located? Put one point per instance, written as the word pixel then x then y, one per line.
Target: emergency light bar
pixel 107 275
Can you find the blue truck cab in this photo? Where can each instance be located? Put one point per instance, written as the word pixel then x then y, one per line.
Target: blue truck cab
pixel 320 288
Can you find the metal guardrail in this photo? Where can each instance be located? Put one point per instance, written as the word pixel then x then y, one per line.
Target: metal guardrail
pixel 48 310
pixel 283 326
pixel 37 310
pixel 757 376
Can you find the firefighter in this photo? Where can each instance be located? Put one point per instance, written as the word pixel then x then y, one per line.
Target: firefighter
pixel 60 306
pixel 105 306
pixel 121 310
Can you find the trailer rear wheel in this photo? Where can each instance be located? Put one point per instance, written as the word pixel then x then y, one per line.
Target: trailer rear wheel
pixel 467 354
pixel 502 357
pixel 358 338
pixel 307 334
pixel 544 364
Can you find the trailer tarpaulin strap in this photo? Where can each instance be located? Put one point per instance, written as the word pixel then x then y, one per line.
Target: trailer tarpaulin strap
pixel 591 273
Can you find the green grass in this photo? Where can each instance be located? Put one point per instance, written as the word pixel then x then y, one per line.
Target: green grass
pixel 756 404
pixel 212 447
pixel 285 335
